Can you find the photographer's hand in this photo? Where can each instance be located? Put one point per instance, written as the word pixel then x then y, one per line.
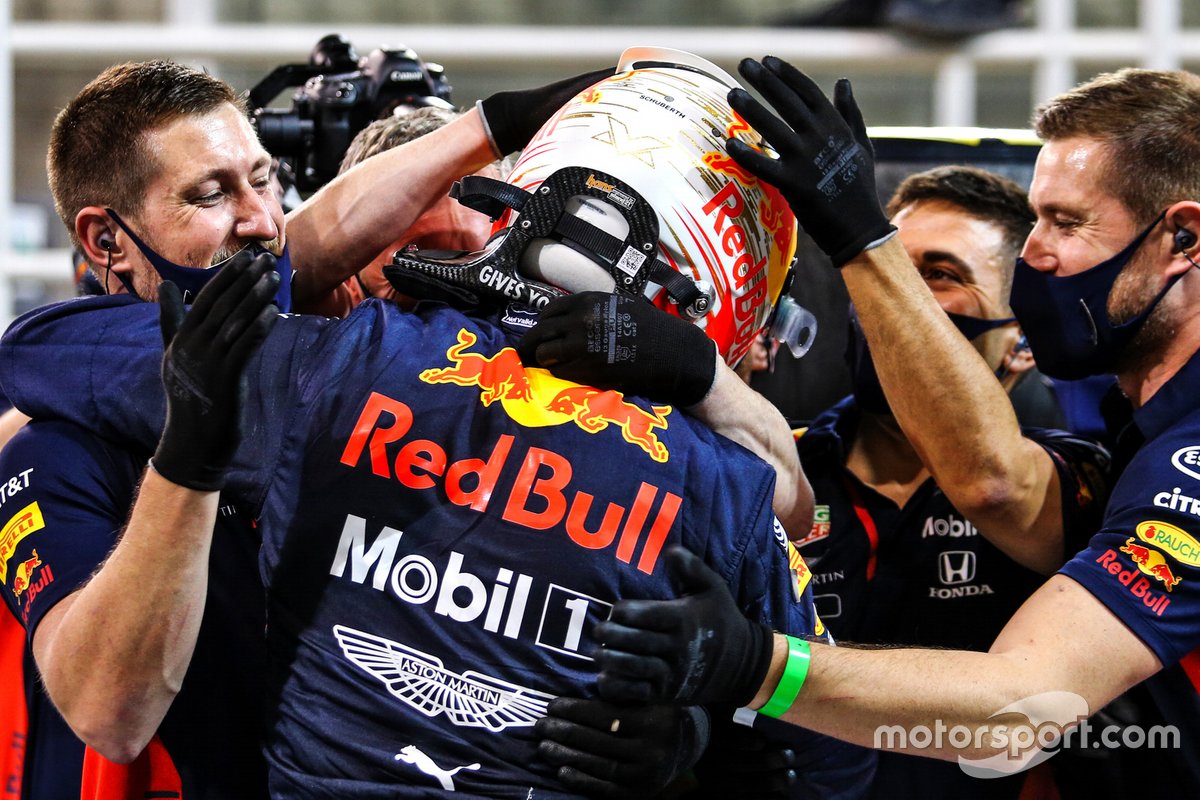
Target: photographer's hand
pixel 202 370
pixel 826 165
pixel 512 118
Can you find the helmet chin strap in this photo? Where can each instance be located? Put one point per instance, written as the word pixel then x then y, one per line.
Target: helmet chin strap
pixel 494 275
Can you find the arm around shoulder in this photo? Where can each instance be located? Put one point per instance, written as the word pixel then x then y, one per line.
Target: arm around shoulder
pixel 1063 640
pixel 737 412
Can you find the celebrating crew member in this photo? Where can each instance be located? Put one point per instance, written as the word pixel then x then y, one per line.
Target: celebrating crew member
pixel 937 537
pixel 158 175
pixel 1105 284
pixel 442 526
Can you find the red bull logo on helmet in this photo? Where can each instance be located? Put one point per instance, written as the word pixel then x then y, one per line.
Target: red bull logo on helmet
pixel 534 398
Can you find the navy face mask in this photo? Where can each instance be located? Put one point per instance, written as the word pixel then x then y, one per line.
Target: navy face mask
pixel 1066 317
pixel 868 393
pixel 191 280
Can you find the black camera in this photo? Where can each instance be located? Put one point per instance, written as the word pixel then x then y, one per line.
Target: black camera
pixel 339 95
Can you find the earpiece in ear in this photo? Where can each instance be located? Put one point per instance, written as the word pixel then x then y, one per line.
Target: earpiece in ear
pixel 107 244
pixel 1184 239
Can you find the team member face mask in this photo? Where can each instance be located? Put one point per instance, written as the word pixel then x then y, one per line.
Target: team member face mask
pixel 868 393
pixel 191 280
pixel 1066 317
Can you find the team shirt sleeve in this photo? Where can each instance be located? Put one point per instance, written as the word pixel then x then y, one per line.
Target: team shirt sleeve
pixel 63 502
pixel 1144 563
pixel 97 361
pixel 1084 470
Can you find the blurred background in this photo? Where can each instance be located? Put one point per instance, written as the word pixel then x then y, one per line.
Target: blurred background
pixel 913 62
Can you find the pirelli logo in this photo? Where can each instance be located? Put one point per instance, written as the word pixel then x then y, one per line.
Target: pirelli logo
pixel 26 521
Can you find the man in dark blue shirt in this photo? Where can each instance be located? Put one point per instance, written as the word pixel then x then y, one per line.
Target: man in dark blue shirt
pixel 95 594
pixel 443 527
pixel 1105 284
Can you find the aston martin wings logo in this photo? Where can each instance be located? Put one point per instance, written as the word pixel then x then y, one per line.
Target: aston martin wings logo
pixel 470 700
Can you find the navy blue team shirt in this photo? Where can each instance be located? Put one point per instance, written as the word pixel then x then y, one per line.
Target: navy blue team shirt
pixel 1144 564
pixel 922 574
pixel 64 499
pixel 442 529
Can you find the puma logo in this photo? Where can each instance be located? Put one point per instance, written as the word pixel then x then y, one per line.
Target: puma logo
pixel 411 755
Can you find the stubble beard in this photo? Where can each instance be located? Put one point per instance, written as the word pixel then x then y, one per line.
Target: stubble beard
pixel 1132 292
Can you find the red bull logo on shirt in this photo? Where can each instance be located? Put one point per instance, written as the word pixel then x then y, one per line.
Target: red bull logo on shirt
pixel 1138 581
pixel 24 572
pixel 534 398
pixel 541 498
pixel 1151 562
pixel 1175 542
pixel 1135 583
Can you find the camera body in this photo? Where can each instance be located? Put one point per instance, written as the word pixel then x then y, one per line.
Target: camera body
pixel 338 95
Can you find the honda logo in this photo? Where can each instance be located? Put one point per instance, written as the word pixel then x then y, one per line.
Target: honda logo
pixel 957 566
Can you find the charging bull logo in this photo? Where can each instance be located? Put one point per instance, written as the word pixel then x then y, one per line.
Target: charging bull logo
pixel 719 162
pixel 594 410
pixel 1150 562
pixel 500 377
pixel 24 574
pixel 534 398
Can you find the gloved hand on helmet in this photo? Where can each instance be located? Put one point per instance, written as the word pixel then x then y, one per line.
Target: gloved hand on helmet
pixel 826 165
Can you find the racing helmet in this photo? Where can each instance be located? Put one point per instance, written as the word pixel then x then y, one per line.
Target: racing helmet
pixel 628 188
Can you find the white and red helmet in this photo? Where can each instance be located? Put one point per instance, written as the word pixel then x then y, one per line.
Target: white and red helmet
pixel 628 187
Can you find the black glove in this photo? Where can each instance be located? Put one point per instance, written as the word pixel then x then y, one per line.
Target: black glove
pixel 650 746
pixel 512 118
pixel 696 650
pixel 617 342
pixel 742 763
pixel 206 354
pixel 826 165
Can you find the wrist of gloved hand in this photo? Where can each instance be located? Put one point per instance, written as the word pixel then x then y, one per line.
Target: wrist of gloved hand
pixel 512 118
pixel 613 341
pixel 606 750
pixel 867 240
pixel 180 467
pixel 696 649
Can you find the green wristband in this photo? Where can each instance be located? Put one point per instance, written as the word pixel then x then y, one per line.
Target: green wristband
pixel 794 673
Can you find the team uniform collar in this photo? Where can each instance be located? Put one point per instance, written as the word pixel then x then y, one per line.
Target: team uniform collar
pixel 1173 401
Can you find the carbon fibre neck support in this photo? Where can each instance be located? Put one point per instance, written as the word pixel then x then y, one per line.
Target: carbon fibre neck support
pixel 491 277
